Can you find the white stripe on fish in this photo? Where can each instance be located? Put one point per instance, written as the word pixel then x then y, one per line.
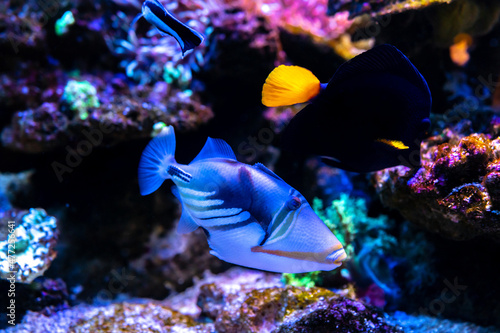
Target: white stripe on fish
pixel 216 213
pixel 189 191
pixel 202 202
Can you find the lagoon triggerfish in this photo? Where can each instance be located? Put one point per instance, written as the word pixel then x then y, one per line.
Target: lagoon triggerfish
pixel 250 216
pixel 373 114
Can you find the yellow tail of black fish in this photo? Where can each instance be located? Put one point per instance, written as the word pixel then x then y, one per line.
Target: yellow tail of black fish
pixel 287 85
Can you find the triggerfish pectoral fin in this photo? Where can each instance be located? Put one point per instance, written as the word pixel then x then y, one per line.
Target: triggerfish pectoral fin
pixel 287 85
pixel 154 12
pixel 186 222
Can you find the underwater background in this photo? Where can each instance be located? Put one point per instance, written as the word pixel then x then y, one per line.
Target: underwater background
pixel 84 88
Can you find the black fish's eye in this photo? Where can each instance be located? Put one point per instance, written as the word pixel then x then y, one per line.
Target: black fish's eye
pixel 293 203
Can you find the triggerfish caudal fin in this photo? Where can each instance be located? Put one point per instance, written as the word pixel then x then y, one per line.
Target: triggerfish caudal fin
pixel 166 23
pixel 287 85
pixel 155 161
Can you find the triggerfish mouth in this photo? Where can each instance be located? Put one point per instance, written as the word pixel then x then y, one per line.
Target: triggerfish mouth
pixel 373 114
pixel 166 23
pixel 250 216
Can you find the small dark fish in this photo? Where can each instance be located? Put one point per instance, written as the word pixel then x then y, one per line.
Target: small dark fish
pixel 166 23
pixel 373 114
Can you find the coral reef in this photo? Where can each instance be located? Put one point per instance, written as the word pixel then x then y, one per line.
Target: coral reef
pixel 376 7
pixel 294 309
pixel 115 119
pixel 455 192
pixel 83 87
pixel 121 317
pixel 58 105
pixel 175 259
pixel 239 300
pixel 32 236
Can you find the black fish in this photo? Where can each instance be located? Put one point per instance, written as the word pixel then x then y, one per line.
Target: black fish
pixel 166 23
pixel 373 114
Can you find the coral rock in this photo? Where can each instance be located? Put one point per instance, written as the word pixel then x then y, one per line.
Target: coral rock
pixel 34 236
pixel 248 308
pixel 456 191
pixel 378 7
pixel 123 317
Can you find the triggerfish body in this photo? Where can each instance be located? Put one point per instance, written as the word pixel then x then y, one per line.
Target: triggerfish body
pixel 166 23
pixel 250 216
pixel 373 114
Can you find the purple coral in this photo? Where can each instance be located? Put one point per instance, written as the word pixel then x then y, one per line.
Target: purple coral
pixel 455 191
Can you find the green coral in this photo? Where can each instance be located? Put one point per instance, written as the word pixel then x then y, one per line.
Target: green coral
pixel 32 245
pixel 179 75
pixel 81 95
pixel 307 280
pixel 348 219
pixel 372 250
pixel 158 128
pixel 62 24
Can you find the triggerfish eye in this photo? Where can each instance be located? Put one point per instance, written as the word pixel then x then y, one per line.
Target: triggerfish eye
pixel 293 203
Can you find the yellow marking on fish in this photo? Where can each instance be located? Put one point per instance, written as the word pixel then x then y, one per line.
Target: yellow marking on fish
pixel 319 257
pixel 394 143
pixel 288 85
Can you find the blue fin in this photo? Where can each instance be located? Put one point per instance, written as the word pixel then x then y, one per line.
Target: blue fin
pixel 156 157
pixel 215 148
pixel 381 59
pixel 186 222
pixel 264 169
pixel 154 12
pixel 175 191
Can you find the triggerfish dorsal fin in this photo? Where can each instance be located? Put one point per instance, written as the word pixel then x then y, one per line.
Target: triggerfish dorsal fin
pixel 186 222
pixel 394 143
pixel 381 59
pixel 155 159
pixel 288 85
pixel 264 169
pixel 215 148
